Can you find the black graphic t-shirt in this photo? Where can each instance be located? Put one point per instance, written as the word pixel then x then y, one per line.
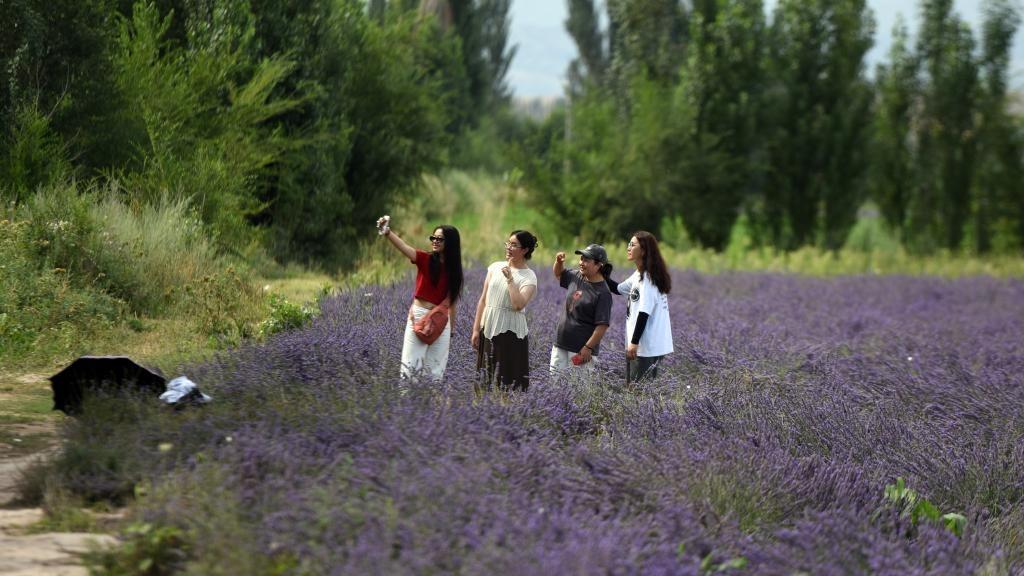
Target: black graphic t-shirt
pixel 587 305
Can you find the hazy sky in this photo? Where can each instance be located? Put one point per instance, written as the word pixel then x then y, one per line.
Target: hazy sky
pixel 545 49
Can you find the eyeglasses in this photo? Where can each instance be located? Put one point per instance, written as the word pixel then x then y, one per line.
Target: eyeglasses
pixel 436 238
pixel 512 245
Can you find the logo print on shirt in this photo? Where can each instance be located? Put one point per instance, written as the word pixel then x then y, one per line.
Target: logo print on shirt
pixel 571 305
pixel 634 296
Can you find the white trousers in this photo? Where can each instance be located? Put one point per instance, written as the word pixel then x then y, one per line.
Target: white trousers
pixel 418 356
pixel 561 361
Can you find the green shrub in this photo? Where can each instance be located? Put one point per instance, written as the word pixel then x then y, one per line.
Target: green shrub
pixel 869 234
pixel 61 228
pixel 226 306
pixel 913 506
pixel 31 155
pixel 42 313
pixel 285 315
pixel 147 550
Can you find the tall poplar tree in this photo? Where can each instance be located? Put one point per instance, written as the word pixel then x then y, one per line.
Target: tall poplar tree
pixel 946 133
pixel 998 204
pixel 820 109
pixel 721 84
pixel 892 153
pixel 583 25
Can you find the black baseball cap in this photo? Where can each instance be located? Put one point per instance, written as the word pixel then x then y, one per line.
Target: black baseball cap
pixel 595 252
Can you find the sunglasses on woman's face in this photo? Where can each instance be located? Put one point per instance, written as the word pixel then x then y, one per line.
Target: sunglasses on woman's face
pixel 437 238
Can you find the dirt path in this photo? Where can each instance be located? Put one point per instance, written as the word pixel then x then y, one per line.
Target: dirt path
pixel 27 434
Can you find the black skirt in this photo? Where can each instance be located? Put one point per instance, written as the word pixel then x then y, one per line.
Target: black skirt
pixel 504 361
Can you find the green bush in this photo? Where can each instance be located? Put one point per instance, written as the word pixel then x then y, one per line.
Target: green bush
pixel 61 230
pixel 147 550
pixel 226 306
pixel 42 313
pixel 285 315
pixel 137 254
pixel 869 234
pixel 31 155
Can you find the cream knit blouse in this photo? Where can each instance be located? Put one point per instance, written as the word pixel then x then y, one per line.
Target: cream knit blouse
pixel 499 315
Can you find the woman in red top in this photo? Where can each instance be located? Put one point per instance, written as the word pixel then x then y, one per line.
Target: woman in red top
pixel 438 278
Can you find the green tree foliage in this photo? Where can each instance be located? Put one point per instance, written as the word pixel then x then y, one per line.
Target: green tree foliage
pixel 892 154
pixel 946 136
pixel 707 113
pixel 204 108
pixel 617 175
pixel 998 205
pixel 494 24
pixel 374 119
pixel 478 31
pixel 947 153
pixel 55 57
pixel 722 83
pixel 32 154
pixel 482 27
pixel 648 39
pixel 585 29
pixel 819 111
pixel 287 122
pixel 667 121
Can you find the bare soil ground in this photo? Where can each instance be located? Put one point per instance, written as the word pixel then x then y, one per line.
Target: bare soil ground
pixel 28 431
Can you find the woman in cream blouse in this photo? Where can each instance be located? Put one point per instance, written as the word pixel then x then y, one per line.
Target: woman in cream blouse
pixel 499 329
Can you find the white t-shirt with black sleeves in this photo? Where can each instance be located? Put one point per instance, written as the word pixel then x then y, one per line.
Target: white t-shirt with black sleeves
pixel 642 295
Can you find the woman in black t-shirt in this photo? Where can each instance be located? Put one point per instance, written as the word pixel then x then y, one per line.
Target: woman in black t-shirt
pixel 587 312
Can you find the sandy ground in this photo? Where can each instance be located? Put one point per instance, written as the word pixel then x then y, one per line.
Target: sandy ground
pixel 48 554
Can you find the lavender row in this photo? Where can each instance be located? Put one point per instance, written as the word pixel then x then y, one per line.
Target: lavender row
pixel 766 443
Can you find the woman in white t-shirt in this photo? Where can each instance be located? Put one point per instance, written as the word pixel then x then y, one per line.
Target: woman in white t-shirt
pixel 499 329
pixel 648 328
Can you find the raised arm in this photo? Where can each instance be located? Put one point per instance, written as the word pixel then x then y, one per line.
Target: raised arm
pixel 559 265
pixel 519 297
pixel 384 225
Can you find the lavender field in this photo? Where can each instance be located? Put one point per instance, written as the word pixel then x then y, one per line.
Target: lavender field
pixel 764 448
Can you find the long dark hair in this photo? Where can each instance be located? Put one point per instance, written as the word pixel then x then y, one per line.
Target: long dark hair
pixel 452 261
pixel 527 240
pixel 652 262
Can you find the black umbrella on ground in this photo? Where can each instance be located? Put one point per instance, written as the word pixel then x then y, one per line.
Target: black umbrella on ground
pixel 108 373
